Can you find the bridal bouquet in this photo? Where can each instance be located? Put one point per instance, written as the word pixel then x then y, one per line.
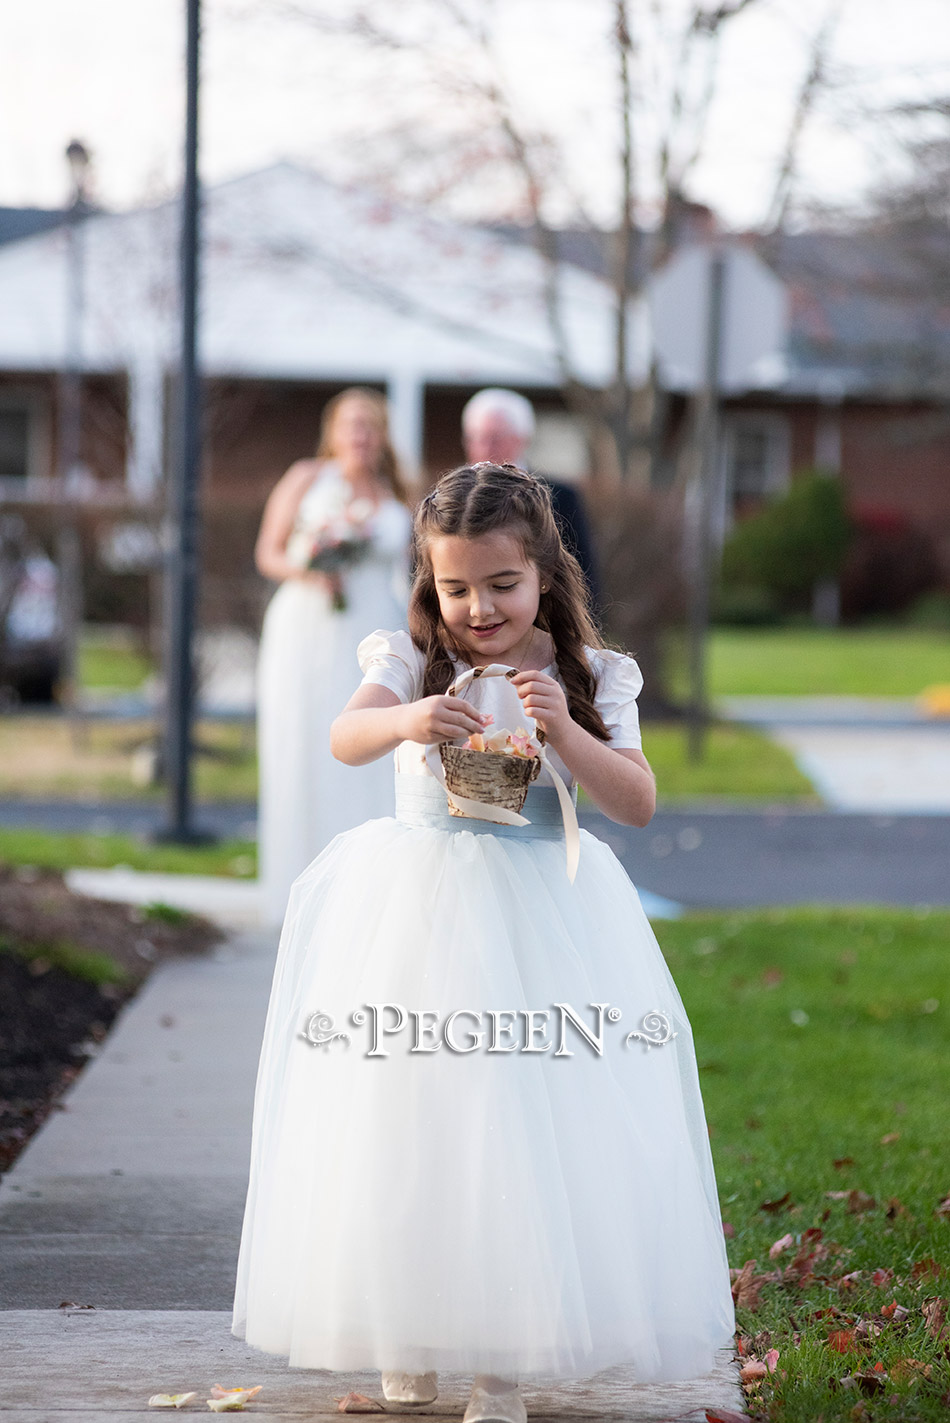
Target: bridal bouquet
pixel 336 543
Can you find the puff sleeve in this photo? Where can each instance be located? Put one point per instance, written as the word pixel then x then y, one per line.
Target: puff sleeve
pixel 619 681
pixel 391 659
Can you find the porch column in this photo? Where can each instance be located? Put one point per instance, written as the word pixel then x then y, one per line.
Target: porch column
pixel 406 392
pixel 146 402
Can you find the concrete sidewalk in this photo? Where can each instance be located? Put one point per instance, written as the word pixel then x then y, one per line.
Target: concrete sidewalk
pixel 130 1200
pixel 876 755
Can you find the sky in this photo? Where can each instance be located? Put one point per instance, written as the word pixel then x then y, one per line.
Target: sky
pixel 275 86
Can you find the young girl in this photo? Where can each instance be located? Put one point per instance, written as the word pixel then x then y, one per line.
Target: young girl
pixel 448 1171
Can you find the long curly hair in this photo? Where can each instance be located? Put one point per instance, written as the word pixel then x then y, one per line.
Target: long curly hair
pixel 389 469
pixel 487 498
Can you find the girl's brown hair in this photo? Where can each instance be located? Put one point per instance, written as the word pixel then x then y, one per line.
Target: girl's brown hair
pixel 482 499
pixel 388 462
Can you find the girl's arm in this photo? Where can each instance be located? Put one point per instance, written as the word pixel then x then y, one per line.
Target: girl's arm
pixel 374 722
pixel 618 780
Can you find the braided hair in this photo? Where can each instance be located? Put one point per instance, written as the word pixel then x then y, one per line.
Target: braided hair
pixel 487 498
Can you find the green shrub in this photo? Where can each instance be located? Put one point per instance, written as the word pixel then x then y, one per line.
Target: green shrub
pixel 795 541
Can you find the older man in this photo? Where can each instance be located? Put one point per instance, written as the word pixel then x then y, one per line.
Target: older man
pixel 498 425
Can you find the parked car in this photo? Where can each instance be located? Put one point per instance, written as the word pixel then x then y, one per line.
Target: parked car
pixel 31 645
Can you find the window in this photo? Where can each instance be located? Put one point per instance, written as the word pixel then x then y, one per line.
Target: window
pixel 14 443
pixel 756 454
pixel 23 439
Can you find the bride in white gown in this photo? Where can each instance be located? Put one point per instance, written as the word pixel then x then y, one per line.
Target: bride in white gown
pixel 307 665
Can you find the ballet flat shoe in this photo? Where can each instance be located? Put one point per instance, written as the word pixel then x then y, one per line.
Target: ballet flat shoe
pixel 410 1388
pixel 485 1407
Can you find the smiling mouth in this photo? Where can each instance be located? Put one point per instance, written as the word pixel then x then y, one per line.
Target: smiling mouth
pixel 485 627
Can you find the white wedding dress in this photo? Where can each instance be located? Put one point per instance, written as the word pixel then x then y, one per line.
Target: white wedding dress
pixel 306 673
pixel 521 1213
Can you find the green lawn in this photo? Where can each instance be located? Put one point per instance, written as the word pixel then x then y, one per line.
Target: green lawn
pixel 874 662
pixel 822 1038
pixel 54 851
pixel 109 660
pixel 739 764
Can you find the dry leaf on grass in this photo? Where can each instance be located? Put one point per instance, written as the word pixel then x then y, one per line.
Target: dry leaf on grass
pixel 783 1203
pixel 934 1311
pixel 867 1380
pixel 779 1245
pixel 747 1285
pixel 911 1368
pixel 927 1266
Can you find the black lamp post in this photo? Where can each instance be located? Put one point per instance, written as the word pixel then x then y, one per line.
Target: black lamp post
pixel 184 510
pixel 69 468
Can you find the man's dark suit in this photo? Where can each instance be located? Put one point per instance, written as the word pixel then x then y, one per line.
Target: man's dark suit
pixel 575 531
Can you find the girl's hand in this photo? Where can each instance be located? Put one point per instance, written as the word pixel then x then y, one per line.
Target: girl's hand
pixel 543 699
pixel 443 718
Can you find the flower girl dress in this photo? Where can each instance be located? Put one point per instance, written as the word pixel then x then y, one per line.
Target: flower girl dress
pixel 434 1194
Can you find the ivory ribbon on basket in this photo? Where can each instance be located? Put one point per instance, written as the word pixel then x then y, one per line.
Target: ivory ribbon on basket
pixel 481 810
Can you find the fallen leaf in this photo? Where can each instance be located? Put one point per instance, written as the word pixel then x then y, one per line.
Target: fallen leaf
pixel 867 1380
pixel 170 1400
pixel 934 1311
pixel 728 1230
pixel 772 977
pixel 358 1403
pixel 753 1372
pixel 895 1208
pixel 859 1201
pixel 840 1162
pixel 910 1368
pixel 944 1207
pixel 771 1359
pixel 848 1282
pixel 218 1392
pixel 746 1287
pixel 927 1266
pixel 780 1245
pixel 890 1137
pixel 882 1277
pixel 780 1204
pixel 841 1340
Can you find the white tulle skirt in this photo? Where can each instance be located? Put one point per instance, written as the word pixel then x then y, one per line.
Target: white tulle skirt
pixel 524 1213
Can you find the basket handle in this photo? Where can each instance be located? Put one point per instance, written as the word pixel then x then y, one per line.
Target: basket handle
pixel 572 839
pixel 494 669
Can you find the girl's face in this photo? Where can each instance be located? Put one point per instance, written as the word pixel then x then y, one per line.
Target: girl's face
pixel 356 436
pixel 488 594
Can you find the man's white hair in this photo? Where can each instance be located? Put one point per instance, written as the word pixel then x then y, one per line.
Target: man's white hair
pixel 517 411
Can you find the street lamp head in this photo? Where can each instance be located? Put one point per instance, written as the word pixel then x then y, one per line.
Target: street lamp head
pixel 79 160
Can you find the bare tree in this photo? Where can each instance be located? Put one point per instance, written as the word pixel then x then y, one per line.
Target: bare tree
pixel 461 121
